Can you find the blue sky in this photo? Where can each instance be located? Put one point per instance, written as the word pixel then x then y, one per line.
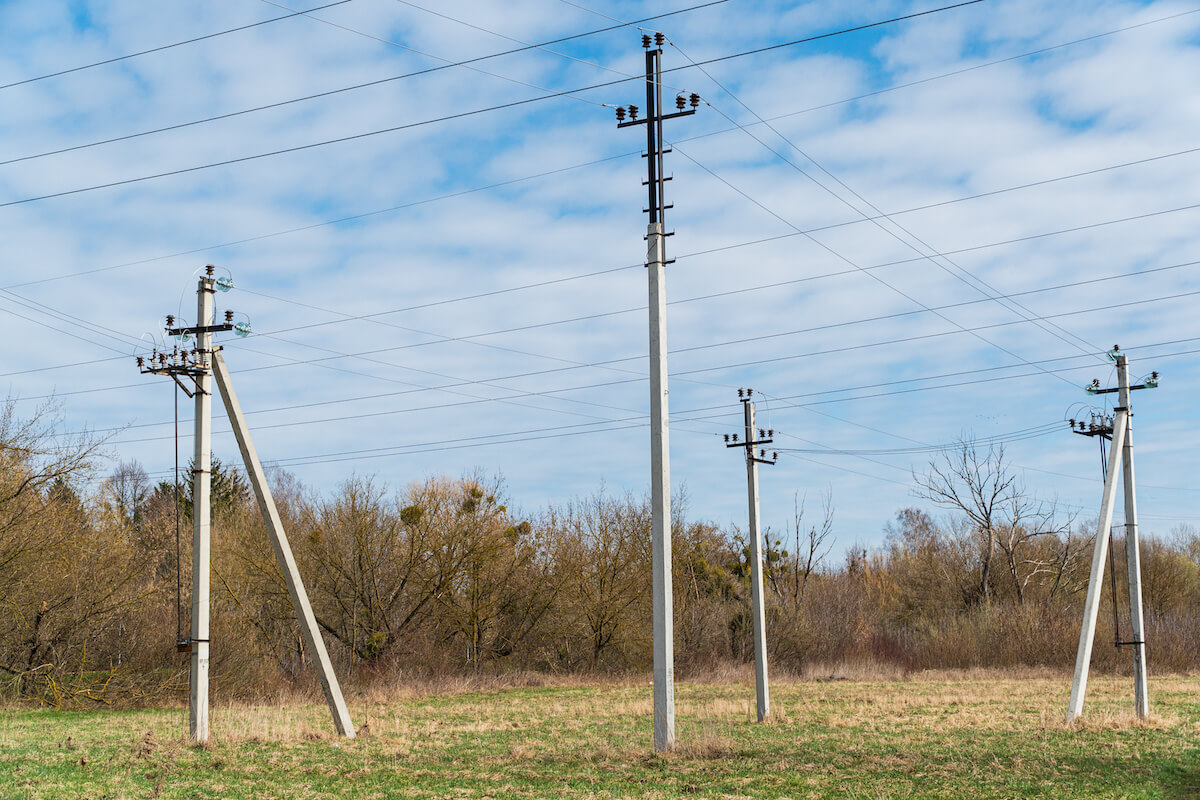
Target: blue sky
pixel 485 307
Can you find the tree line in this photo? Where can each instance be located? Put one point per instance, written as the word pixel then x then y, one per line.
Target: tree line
pixel 445 576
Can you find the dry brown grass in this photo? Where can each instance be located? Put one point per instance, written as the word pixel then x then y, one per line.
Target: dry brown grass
pixel 967 733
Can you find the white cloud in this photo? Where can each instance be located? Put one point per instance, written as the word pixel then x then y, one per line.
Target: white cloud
pixel 1114 99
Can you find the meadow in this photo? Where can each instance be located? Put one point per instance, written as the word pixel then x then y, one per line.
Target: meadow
pixel 934 734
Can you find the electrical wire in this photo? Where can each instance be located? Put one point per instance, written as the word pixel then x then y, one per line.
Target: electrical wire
pixel 341 90
pixel 976 283
pixel 827 351
pixel 160 48
pixel 787 398
pixel 448 61
pixel 991 291
pixel 560 170
pixel 898 262
pixel 865 271
pixel 472 337
pixel 554 281
pixel 555 432
pixel 444 118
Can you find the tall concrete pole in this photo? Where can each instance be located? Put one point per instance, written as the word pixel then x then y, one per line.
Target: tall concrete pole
pixel 660 459
pixel 660 455
pixel 758 609
pixel 283 552
pixel 660 498
pixel 1091 608
pixel 1133 559
pixel 201 517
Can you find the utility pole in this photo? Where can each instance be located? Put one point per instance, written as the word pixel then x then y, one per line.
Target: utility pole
pixel 1118 431
pixel 660 471
pixel 201 514
pixel 757 602
pixel 198 366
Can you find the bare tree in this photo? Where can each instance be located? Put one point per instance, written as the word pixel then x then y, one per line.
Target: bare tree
pixel 982 485
pixel 811 545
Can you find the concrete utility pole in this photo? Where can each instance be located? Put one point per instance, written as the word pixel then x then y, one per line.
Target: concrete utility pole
pixel 758 607
pixel 283 552
pixel 199 365
pixel 201 514
pixel 660 474
pixel 1119 432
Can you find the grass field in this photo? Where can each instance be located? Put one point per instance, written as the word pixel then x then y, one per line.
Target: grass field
pixel 928 736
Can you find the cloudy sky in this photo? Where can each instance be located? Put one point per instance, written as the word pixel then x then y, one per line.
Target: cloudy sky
pixel 899 236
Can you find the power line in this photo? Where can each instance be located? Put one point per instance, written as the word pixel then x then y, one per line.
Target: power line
pixel 445 118
pixel 10 312
pixel 545 392
pixel 168 46
pixel 927 336
pixel 472 337
pixel 560 170
pixel 91 327
pixel 324 223
pixel 855 98
pixel 1073 284
pixel 1003 438
pixel 959 271
pixel 857 266
pixel 759 338
pixel 538 284
pixel 990 290
pixel 352 87
pixel 561 431
pixel 983 65
pixel 328 459
pixel 840 349
pixel 856 29
pixel 439 58
pixel 610 270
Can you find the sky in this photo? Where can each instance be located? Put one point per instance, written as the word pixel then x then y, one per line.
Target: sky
pixel 900 236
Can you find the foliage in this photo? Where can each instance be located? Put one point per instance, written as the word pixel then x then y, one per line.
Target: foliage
pixel 441 577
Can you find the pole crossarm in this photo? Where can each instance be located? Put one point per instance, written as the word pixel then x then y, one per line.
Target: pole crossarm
pixel 765 435
pixel 687 113
pixel 198 329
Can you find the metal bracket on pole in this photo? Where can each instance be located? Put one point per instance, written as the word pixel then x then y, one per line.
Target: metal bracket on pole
pixel 283 553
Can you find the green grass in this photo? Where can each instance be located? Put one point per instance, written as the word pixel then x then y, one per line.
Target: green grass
pixel 932 736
